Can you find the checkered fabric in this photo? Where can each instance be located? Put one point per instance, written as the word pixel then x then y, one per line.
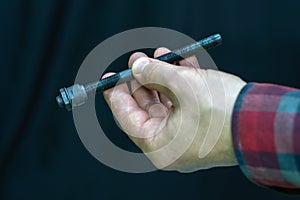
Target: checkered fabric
pixel 266 135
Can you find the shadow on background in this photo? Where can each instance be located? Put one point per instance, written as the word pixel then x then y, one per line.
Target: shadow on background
pixel 42 46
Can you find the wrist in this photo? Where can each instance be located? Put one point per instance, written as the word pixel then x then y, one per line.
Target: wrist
pixel 229 139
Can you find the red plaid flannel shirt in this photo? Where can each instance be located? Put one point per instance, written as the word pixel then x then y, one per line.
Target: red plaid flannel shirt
pixel 266 135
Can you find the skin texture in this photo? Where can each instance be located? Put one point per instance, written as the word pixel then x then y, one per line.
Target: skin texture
pixel 179 116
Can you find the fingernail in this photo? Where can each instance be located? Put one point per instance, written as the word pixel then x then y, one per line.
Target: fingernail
pixel 139 65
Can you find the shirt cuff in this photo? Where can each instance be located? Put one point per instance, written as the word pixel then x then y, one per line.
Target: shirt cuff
pixel 264 135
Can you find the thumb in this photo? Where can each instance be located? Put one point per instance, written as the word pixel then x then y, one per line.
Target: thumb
pixel 156 75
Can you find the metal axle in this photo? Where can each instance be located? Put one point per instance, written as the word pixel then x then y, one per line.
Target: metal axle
pixel 76 95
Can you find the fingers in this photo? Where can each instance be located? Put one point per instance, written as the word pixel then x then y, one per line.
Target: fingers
pixel 163 99
pixel 147 99
pixel 134 57
pixel 161 51
pixel 125 109
pixel 135 121
pixel 189 62
pixel 157 75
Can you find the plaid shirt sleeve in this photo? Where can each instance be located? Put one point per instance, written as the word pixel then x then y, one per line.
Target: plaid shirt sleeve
pixel 266 135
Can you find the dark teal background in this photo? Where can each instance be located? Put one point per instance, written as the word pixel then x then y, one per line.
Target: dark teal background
pixel 42 44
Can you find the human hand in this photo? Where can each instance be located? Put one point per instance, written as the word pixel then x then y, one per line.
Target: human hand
pixel 180 116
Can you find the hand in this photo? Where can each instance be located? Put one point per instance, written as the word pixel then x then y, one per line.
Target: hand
pixel 180 116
